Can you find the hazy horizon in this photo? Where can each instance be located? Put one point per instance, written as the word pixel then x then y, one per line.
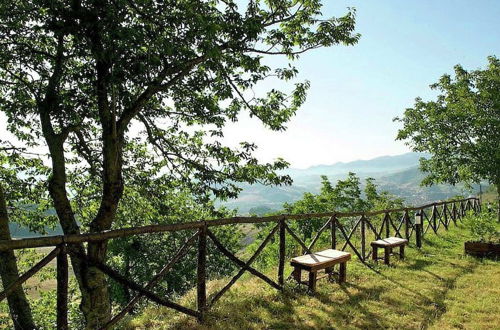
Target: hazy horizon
pixel 357 91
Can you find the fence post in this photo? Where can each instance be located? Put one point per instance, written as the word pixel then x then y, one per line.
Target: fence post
pixel 445 215
pixel 418 228
pixel 407 225
pixel 62 289
pixel 387 225
pixel 333 231
pixel 363 237
pixel 454 213
pixel 281 266
pixel 202 272
pixel 434 218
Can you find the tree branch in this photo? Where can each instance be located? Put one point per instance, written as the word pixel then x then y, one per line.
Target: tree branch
pixel 157 86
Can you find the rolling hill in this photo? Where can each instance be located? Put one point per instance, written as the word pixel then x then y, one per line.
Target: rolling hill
pixel 398 175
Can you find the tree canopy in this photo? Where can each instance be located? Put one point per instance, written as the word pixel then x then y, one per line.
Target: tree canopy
pixel 131 92
pixel 460 129
pixel 347 195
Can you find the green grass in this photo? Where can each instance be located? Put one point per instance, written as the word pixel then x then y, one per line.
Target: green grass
pixel 436 287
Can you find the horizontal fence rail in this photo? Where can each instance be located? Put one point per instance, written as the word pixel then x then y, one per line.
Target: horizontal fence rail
pixel 351 231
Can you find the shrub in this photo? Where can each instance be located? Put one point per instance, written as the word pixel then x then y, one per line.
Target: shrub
pixel 483 227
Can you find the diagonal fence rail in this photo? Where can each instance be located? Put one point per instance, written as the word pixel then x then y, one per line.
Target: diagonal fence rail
pixel 347 231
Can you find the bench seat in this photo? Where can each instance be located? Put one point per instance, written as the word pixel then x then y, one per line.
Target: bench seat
pixel 314 262
pixel 388 244
pixel 320 260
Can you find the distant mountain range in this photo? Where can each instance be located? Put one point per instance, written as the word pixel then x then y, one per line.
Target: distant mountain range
pixel 399 175
pixel 384 164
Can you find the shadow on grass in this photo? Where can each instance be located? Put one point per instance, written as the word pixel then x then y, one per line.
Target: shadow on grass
pixel 438 298
pixel 355 304
pixel 401 285
pixel 281 312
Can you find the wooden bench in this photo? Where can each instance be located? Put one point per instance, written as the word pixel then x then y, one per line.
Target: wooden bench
pixel 314 262
pixel 388 244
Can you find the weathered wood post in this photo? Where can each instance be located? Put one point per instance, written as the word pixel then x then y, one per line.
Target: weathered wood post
pixel 418 228
pixel 454 213
pixel 202 272
pixel 62 289
pixel 407 225
pixel 387 225
pixel 363 237
pixel 333 231
pixel 282 247
pixel 434 218
pixel 445 214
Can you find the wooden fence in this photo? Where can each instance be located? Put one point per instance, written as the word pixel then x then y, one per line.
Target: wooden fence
pixel 342 228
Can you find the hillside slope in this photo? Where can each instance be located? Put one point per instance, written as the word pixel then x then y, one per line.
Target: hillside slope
pixel 436 288
pixel 383 164
pixel 398 175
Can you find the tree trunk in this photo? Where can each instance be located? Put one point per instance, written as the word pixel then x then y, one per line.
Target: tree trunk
pixel 498 201
pixel 95 304
pixel 19 307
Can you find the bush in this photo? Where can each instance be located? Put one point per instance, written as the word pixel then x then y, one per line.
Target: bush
pixel 483 227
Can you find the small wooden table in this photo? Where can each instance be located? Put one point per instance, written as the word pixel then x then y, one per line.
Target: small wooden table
pixel 388 244
pixel 314 262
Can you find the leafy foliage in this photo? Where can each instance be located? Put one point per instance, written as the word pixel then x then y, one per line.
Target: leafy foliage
pixel 346 196
pixel 139 257
pixel 483 226
pixel 25 189
pixel 179 83
pixel 130 98
pixel 461 128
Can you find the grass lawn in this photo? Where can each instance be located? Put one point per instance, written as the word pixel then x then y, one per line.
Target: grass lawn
pixel 436 288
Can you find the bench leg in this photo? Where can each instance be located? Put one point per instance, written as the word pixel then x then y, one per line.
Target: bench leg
pixel 297 274
pixel 342 272
pixel 312 281
pixel 375 253
pixel 329 272
pixel 387 255
pixel 402 252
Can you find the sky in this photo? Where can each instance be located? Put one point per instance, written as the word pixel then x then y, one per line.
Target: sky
pixel 357 91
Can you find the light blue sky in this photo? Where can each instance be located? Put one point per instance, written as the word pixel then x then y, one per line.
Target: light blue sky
pixel 357 91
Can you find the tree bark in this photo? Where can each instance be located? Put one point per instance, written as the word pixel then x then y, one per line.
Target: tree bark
pixel 19 307
pixel 95 304
pixel 498 202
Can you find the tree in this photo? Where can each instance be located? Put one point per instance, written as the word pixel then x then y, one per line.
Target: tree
pixel 18 304
pixel 26 205
pixel 101 84
pixel 460 129
pixel 346 195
